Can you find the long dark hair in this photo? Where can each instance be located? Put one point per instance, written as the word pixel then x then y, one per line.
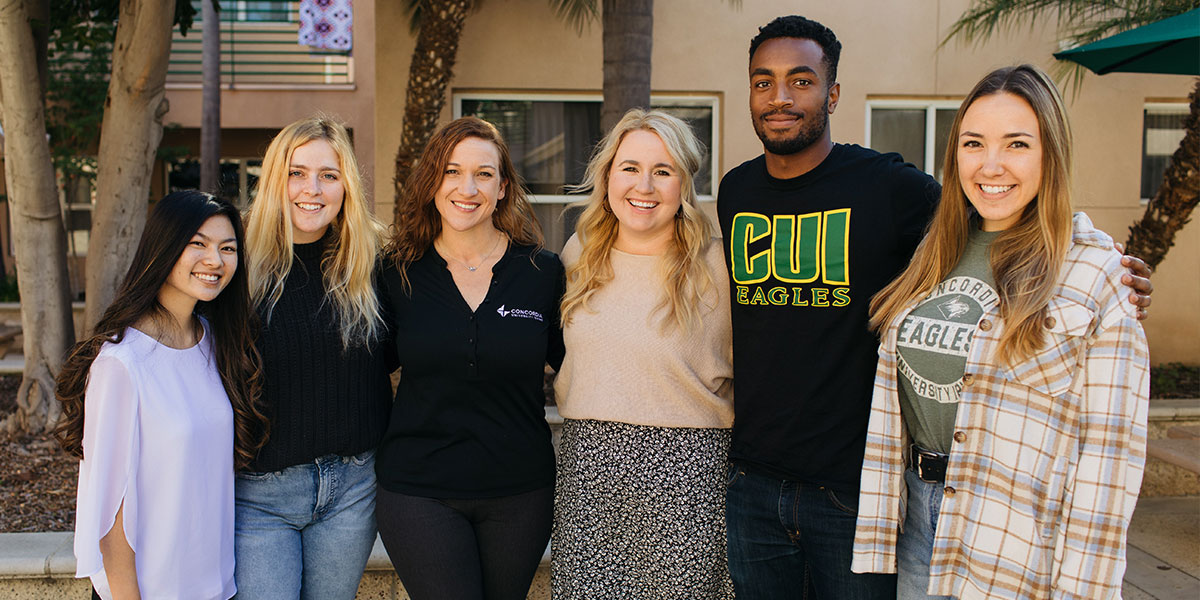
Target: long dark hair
pixel 170 227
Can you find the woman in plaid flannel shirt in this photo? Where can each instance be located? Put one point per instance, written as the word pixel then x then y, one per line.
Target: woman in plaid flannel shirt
pixel 1008 425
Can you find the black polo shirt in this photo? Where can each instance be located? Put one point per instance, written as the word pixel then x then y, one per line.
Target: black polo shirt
pixel 468 419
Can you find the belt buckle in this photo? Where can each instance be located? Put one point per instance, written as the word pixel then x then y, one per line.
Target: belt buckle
pixel 920 456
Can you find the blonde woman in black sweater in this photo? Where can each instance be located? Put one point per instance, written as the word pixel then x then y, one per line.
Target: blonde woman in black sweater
pixel 305 507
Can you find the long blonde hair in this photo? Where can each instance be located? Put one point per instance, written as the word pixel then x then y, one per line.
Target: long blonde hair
pixel 349 261
pixel 1025 258
pixel 685 275
pixel 420 222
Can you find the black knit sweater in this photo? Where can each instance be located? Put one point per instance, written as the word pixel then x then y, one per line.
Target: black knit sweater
pixel 319 398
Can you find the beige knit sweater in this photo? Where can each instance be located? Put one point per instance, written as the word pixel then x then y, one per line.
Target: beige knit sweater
pixel 622 366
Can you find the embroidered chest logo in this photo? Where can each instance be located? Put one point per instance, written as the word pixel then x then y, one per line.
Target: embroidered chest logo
pixel 519 313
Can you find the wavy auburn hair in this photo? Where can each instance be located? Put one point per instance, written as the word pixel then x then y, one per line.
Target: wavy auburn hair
pixel 685 275
pixel 169 229
pixel 1025 258
pixel 349 262
pixel 420 222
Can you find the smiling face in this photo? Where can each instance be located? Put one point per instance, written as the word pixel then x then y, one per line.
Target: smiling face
pixel 790 96
pixel 471 186
pixel 644 192
pixel 315 190
pixel 999 158
pixel 205 267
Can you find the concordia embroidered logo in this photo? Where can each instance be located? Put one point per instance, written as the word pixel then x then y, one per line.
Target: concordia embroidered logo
pixel 520 313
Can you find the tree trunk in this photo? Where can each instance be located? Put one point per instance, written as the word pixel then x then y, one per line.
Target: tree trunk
pixel 210 103
pixel 628 40
pixel 429 73
pixel 39 238
pixel 1171 207
pixel 129 138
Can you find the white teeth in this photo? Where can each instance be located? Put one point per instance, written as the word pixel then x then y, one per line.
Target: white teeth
pixel 207 277
pixel 308 206
pixel 996 189
pixel 643 204
pixel 464 206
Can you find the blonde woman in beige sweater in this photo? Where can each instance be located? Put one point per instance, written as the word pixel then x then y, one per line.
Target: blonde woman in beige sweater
pixel 646 388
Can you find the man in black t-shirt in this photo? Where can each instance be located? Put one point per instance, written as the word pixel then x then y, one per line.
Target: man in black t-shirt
pixel 811 230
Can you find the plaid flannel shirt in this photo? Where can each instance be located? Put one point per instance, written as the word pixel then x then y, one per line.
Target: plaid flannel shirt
pixel 1048 454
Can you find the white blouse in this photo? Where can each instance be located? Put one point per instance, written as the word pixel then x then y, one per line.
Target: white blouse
pixel 158 436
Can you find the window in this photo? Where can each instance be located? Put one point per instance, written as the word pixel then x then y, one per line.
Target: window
pixel 238 178
pixel 1162 132
pixel 258 11
pixel 917 129
pixel 551 137
pixel 253 11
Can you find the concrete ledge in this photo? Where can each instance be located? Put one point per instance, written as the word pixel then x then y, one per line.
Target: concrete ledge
pixel 37 555
pixel 42 565
pixel 1175 409
pixel 1183 453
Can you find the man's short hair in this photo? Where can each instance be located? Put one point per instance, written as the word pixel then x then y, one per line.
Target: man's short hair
pixel 795 26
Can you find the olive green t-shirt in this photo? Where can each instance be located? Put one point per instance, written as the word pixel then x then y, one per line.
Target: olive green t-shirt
pixel 933 343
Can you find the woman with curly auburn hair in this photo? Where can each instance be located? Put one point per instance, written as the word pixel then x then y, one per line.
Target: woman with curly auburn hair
pixel 466 469
pixel 159 405
pixel 646 389
pixel 1010 403
pixel 306 504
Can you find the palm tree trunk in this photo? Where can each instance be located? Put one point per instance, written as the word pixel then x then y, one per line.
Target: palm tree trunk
pixel 129 138
pixel 39 238
pixel 429 74
pixel 210 101
pixel 628 41
pixel 1170 209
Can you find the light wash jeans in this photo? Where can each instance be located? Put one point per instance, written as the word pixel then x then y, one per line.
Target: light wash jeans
pixel 306 531
pixel 914 549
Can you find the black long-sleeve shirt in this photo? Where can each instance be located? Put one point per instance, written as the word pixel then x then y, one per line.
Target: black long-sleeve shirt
pixel 320 398
pixel 468 419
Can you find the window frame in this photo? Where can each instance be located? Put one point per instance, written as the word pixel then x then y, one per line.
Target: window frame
pixel 930 106
pixel 711 100
pixel 1180 108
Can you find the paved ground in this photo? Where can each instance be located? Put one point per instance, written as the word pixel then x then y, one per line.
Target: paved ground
pixel 1164 550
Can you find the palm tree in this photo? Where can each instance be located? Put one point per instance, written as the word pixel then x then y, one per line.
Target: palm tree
pixel 439 25
pixel 1085 21
pixel 628 40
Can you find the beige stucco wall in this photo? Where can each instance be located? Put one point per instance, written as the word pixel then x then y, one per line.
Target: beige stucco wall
pixel 890 51
pixel 273 108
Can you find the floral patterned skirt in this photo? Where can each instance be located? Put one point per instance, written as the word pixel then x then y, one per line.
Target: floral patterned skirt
pixel 639 512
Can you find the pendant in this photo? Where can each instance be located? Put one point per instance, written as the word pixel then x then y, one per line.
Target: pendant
pixel 471 269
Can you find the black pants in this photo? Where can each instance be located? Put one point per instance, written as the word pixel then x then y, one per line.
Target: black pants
pixel 465 549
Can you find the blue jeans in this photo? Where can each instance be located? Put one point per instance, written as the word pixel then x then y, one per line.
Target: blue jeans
pixel 914 549
pixel 786 535
pixel 306 531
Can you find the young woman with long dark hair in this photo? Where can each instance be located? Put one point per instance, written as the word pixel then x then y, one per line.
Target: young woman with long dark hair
pixel 1013 375
pixel 159 405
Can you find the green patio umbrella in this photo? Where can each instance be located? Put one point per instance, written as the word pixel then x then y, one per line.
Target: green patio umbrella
pixel 1170 46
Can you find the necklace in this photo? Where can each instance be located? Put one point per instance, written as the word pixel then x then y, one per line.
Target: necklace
pixel 499 237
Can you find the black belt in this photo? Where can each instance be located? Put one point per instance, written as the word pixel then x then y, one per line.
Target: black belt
pixel 930 466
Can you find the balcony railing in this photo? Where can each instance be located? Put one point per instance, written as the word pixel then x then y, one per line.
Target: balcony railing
pixel 259 47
